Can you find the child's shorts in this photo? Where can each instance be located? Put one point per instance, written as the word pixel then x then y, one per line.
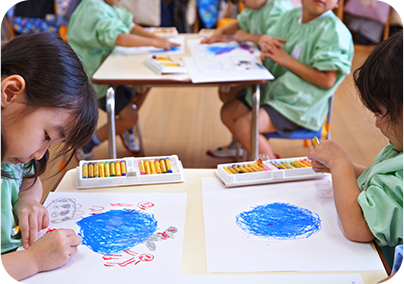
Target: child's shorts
pixel 123 96
pixel 283 126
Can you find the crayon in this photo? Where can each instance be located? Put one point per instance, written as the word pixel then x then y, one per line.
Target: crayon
pixel 255 166
pixel 161 57
pixel 118 168
pixel 123 168
pixel 112 168
pixel 101 170
pixel 242 169
pixel 233 171
pixel 141 168
pixel 158 168
pixel 107 174
pixel 252 168
pixel 96 173
pixel 276 166
pixel 286 165
pixel 15 230
pixel 227 170
pixel 85 170
pixel 237 169
pixel 247 168
pixel 168 165
pixel 90 170
pixel 163 166
pixel 147 167
pixel 152 167
pixel 315 141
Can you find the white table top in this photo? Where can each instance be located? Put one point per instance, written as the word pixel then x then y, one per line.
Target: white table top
pixel 194 249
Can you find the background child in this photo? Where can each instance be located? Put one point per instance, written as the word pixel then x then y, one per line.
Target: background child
pixel 95 28
pixel 46 98
pixel 309 52
pixel 369 201
pixel 254 21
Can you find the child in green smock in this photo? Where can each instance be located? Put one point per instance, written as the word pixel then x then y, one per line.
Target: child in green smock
pixel 258 16
pixel 309 51
pixel 369 201
pixel 95 28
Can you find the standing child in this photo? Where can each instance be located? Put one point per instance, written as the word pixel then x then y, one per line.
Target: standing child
pixel 309 52
pixel 95 28
pixel 46 98
pixel 254 21
pixel 369 201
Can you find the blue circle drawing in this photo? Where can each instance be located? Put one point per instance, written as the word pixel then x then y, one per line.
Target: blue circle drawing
pixel 279 221
pixel 116 230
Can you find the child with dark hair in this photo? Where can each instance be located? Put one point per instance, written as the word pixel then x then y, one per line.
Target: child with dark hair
pixel 46 98
pixel 95 28
pixel 369 201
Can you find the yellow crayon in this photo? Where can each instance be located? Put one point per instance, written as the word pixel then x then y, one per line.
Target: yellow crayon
pixel 101 170
pixel 158 168
pixel 227 170
pixel 255 166
pixel 147 167
pixel 90 170
pixel 163 166
pixel 152 167
pixel 141 168
pixel 107 169
pixel 15 230
pixel 233 171
pixel 315 141
pixel 168 165
pixel 252 168
pixel 123 168
pixel 247 168
pixel 96 173
pixel 242 168
pixel 286 165
pixel 85 170
pixel 297 165
pixel 118 168
pixel 236 169
pixel 307 164
pixel 112 168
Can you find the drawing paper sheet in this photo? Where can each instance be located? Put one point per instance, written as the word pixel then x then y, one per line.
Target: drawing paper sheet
pixel 277 278
pixel 114 218
pixel 153 50
pixel 301 218
pixel 224 62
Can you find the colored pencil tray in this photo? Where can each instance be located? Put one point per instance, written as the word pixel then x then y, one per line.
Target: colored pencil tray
pixel 269 171
pixel 129 171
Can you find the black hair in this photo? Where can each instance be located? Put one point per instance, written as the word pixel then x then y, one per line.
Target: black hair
pixel 54 78
pixel 380 79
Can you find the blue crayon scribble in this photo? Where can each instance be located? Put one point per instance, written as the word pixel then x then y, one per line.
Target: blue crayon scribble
pixel 173 48
pixel 217 50
pixel 116 230
pixel 279 221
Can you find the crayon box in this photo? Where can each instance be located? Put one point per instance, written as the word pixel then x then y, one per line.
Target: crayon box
pixel 129 171
pixel 266 171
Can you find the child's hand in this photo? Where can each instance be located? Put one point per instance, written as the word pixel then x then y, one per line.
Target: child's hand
pixel 54 249
pixel 32 217
pixel 327 155
pixel 161 42
pixel 272 47
pixel 216 37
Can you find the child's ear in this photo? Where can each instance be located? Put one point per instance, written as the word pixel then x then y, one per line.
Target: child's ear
pixel 12 88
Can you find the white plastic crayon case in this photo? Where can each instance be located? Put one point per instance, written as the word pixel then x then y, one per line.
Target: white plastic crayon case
pixel 133 172
pixel 270 171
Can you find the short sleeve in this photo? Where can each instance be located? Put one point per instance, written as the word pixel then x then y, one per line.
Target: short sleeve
pixel 108 29
pixel 382 206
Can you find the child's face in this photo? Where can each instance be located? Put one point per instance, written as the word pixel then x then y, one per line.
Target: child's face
pixel 29 136
pixel 253 4
pixel 112 2
pixel 314 8
pixel 389 130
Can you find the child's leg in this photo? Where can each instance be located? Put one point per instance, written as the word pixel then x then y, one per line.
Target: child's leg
pixel 232 93
pixel 140 97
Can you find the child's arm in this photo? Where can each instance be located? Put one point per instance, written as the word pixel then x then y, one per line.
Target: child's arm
pixel 242 35
pixel 32 216
pixel 271 47
pixel 218 34
pixel 131 40
pixel 47 253
pixel 346 190
pixel 140 31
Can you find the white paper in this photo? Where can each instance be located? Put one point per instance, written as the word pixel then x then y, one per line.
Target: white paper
pixel 139 262
pixel 153 50
pixel 224 62
pixel 231 249
pixel 276 278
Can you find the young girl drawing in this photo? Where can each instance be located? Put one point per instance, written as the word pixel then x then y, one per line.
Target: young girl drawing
pixel 369 201
pixel 46 98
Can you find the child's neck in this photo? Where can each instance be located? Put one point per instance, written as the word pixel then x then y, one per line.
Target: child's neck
pixel 308 17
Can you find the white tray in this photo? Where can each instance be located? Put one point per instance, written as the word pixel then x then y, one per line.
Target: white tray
pixel 133 176
pixel 274 174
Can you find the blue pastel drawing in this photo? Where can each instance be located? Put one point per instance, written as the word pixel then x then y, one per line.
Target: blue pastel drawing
pixel 173 48
pixel 217 50
pixel 281 221
pixel 116 230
